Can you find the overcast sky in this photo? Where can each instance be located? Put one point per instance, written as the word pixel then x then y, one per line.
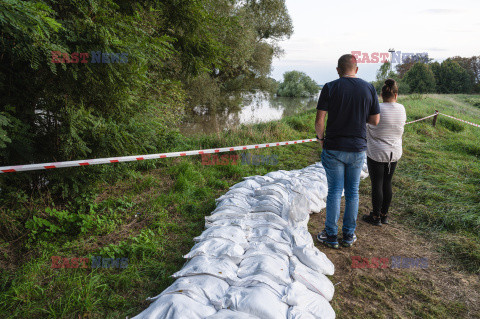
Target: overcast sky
pixel 324 30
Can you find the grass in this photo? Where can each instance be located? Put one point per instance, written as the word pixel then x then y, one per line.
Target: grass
pixel 152 213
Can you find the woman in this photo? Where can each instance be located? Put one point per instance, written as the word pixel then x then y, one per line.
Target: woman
pixel 384 149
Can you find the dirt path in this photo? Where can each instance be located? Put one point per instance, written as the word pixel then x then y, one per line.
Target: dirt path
pixel 438 291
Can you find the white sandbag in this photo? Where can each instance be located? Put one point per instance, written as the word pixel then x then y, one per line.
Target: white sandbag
pixel 271 266
pixel 277 175
pixel 313 280
pixel 223 268
pixel 260 179
pixel 261 281
pixel 268 206
pixel 259 234
pixel 251 220
pixel 275 189
pixel 269 217
pixel 297 294
pixel 229 208
pixel 233 233
pixel 249 184
pixel 201 288
pixel 298 313
pixel 217 247
pixel 299 211
pixel 299 236
pixel 257 301
pixel 315 259
pixel 237 191
pixel 251 200
pixel 235 202
pixel 230 314
pixel 269 248
pixel 225 214
pixel 176 306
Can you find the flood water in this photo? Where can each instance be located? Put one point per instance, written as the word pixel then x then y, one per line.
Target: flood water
pixel 253 108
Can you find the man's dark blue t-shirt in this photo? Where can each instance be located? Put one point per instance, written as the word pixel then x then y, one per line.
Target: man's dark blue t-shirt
pixel 349 102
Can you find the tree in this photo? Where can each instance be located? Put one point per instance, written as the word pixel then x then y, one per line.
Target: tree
pixel 408 63
pixel 472 65
pixel 452 78
pixel 420 78
pixel 297 84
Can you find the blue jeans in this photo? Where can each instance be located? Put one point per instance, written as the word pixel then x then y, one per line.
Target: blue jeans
pixel 343 172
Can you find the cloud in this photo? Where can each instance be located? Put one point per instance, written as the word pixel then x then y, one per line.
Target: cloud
pixel 436 49
pixel 440 11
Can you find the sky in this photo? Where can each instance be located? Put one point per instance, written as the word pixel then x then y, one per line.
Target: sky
pixel 325 30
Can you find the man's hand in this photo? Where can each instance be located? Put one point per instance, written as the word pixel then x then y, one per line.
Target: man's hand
pixel 374 119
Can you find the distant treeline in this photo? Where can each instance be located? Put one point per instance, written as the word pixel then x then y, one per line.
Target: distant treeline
pixel 419 75
pixel 86 79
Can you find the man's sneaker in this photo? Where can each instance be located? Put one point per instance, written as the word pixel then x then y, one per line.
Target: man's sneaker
pixel 329 241
pixel 383 219
pixel 348 239
pixel 371 219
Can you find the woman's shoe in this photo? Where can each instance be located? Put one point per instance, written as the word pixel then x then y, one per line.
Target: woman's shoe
pixel 371 219
pixel 383 219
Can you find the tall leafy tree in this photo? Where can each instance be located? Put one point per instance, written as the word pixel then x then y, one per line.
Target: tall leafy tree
pixel 452 78
pixel 420 78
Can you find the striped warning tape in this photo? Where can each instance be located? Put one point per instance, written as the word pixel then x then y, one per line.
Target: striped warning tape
pixel 41 166
pixel 421 119
pixel 476 125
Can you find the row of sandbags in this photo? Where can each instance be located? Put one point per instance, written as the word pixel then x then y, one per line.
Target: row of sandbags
pixel 256 258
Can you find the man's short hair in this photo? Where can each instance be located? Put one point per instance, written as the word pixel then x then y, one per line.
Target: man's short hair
pixel 347 62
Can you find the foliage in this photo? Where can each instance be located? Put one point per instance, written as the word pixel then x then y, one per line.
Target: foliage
pixel 66 111
pixel 451 77
pixel 409 62
pixel 420 78
pixel 297 84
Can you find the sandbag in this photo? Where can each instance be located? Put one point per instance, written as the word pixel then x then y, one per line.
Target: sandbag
pixel 296 294
pixel 257 301
pixel 264 247
pixel 313 280
pixel 249 184
pixel 298 313
pixel 298 236
pixel 217 247
pixel 315 259
pixel 201 288
pixel 271 266
pixel 176 306
pixel 259 234
pixel 223 268
pixel 261 281
pixel 233 233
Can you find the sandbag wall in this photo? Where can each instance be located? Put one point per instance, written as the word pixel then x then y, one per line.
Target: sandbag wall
pixel 256 258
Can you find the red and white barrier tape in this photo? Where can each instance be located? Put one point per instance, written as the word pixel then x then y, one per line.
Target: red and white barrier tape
pixel 33 167
pixel 476 125
pixel 421 119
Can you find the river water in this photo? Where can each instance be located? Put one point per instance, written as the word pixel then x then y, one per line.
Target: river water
pixel 253 108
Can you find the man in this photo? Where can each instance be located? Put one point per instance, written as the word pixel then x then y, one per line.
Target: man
pixel 351 103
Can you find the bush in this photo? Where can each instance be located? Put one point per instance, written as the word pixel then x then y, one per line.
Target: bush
pixel 297 84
